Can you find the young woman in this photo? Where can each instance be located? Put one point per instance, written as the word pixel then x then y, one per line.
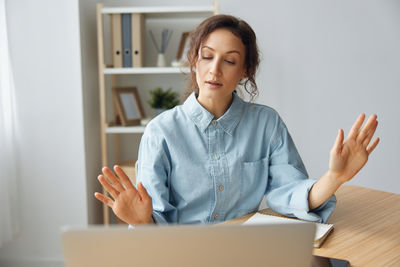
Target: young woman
pixel 215 157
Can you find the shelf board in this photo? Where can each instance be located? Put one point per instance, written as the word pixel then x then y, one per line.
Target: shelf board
pixel 146 70
pixel 158 10
pixel 125 129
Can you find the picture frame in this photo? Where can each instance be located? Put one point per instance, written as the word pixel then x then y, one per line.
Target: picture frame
pixel 184 47
pixel 128 105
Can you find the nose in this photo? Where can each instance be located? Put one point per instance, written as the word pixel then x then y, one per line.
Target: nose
pixel 215 68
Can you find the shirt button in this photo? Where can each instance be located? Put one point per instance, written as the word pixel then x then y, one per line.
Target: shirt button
pixel 216 216
pixel 214 123
pixel 216 156
pixel 221 187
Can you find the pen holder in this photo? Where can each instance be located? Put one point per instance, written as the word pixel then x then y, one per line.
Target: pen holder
pixel 161 62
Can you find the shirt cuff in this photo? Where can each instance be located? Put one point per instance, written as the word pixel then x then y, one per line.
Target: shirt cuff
pixel 158 219
pixel 301 209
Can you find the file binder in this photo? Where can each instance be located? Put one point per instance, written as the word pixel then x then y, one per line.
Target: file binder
pixel 126 40
pixel 116 43
pixel 137 39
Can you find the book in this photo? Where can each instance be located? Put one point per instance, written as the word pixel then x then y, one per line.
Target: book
pixel 137 39
pixel 322 232
pixel 126 41
pixel 116 43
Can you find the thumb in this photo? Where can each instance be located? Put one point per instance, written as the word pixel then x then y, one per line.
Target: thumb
pixel 143 192
pixel 337 147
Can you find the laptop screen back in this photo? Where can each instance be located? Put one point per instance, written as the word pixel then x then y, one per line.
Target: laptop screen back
pixel 227 245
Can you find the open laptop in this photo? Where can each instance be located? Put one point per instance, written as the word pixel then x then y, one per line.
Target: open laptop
pixel 193 245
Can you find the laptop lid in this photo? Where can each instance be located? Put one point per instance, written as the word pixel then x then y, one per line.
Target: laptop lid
pixel 189 245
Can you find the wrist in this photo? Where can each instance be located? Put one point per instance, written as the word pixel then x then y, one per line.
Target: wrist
pixel 335 178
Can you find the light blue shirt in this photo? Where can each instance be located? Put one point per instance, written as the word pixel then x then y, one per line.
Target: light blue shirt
pixel 201 170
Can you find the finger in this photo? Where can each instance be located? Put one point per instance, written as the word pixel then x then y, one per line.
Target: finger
pixel 114 193
pixel 366 128
pixel 106 200
pixel 372 146
pixel 124 178
pixel 370 134
pixel 113 179
pixel 356 126
pixel 337 147
pixel 143 192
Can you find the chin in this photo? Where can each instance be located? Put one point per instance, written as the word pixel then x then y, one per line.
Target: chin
pixel 215 93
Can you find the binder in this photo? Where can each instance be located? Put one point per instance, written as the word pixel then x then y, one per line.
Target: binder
pixel 138 39
pixel 126 41
pixel 116 43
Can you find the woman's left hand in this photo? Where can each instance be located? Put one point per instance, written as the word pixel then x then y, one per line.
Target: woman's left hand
pixel 348 156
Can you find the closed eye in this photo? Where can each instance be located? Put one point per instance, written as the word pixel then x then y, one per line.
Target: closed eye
pixel 230 62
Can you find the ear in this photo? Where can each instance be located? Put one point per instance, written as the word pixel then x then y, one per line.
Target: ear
pixel 244 74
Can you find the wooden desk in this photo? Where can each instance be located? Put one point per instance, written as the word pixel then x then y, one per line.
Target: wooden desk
pixel 366 227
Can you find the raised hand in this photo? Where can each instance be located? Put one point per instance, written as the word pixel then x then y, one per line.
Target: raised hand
pixel 347 157
pixel 131 205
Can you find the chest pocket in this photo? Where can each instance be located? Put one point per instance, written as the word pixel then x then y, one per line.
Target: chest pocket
pixel 254 179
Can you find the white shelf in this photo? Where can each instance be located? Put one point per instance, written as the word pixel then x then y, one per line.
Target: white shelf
pixel 157 10
pixel 125 129
pixel 146 70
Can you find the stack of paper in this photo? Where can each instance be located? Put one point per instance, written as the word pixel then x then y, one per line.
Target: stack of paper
pixel 321 233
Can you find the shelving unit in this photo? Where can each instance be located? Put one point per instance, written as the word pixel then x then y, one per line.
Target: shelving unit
pixel 105 72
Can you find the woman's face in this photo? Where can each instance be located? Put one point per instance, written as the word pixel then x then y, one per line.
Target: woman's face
pixel 220 65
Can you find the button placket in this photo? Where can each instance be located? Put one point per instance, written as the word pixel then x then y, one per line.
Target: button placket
pixel 218 162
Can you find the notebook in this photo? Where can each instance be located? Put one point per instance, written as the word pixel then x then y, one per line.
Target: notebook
pixel 321 233
pixel 189 245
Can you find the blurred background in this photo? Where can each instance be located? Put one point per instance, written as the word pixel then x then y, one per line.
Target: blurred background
pixel 323 63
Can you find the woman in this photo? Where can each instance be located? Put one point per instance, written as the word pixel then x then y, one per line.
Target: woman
pixel 215 157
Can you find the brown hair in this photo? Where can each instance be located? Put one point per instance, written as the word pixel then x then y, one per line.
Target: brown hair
pixel 239 28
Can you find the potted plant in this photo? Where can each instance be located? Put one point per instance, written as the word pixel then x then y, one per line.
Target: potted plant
pixel 163 99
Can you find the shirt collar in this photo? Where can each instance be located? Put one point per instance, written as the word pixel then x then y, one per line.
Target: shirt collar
pixel 202 118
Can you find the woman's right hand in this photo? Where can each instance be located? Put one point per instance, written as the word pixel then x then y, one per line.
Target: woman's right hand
pixel 131 205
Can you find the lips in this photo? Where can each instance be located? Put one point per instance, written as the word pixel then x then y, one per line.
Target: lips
pixel 213 84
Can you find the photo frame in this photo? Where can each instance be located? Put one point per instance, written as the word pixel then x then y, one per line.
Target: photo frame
pixel 128 105
pixel 184 47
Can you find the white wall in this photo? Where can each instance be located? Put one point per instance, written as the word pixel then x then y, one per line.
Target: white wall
pixel 325 62
pixel 45 53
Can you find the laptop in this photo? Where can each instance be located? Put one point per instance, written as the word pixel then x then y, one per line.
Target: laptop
pixel 189 245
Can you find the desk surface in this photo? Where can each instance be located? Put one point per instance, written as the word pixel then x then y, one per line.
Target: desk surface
pixel 366 227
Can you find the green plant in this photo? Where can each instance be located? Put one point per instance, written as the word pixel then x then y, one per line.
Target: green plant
pixel 163 99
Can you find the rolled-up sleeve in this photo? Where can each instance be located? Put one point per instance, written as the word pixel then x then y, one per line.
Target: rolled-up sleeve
pixel 288 183
pixel 153 171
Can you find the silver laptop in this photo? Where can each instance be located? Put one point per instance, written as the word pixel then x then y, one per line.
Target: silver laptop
pixel 194 245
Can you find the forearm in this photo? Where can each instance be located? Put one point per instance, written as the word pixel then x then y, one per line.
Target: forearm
pixel 323 189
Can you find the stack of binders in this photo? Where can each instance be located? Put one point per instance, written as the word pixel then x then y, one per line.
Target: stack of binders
pixel 127 40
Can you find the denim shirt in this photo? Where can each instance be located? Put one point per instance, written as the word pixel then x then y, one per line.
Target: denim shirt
pixel 201 170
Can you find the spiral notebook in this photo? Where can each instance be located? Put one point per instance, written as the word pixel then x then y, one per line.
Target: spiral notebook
pixel 322 230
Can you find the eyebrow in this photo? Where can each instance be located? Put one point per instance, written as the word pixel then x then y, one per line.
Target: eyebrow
pixel 229 52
